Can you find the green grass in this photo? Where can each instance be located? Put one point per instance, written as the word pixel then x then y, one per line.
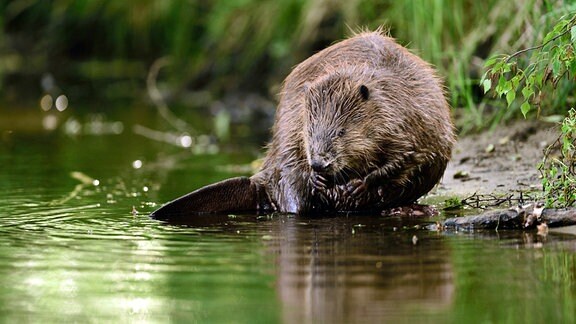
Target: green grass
pixel 251 45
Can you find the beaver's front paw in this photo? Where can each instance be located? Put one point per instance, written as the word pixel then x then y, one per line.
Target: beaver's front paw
pixel 356 187
pixel 319 181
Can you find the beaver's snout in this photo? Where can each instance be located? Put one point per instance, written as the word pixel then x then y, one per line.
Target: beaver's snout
pixel 321 165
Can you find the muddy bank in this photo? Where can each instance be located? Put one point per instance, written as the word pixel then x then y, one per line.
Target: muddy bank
pixel 499 161
pixel 498 165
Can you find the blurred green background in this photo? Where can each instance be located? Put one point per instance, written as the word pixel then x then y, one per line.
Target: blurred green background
pixel 100 50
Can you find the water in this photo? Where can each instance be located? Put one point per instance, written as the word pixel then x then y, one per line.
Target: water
pixel 76 245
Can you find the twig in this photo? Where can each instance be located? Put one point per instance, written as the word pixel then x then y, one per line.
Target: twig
pixel 484 201
pixel 158 100
pixel 571 22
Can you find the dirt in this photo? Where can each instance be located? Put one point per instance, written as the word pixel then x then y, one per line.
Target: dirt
pixel 502 161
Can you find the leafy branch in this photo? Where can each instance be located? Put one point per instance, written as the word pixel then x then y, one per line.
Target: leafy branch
pixel 552 61
pixel 572 30
pixel 558 168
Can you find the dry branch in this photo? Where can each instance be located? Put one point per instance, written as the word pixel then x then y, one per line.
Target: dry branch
pixel 512 219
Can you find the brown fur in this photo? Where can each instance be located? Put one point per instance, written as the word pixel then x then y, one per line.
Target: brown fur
pixel 373 116
pixel 361 126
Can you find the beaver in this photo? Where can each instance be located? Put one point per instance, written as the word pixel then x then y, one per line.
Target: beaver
pixel 361 126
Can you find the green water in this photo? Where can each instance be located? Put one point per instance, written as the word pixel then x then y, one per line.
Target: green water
pixel 76 245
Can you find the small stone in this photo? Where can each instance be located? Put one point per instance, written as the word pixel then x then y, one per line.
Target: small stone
pixel 543 144
pixel 461 174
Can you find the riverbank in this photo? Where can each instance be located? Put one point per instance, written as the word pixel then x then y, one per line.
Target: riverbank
pixel 502 161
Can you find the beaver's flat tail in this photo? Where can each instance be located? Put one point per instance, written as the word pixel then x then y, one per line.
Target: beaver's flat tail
pixel 232 195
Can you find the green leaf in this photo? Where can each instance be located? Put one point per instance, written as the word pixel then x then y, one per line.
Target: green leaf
pixel 497 67
pixel 484 77
pixel 565 127
pixel 559 26
pixel 499 89
pixel 510 96
pixel 515 81
pixel 525 108
pixel 573 35
pixel 527 92
pixel 538 78
pixel 507 85
pixel 491 61
pixel 556 68
pixel 548 37
pixel 487 84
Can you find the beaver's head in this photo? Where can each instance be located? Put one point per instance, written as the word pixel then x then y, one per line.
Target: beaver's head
pixel 339 127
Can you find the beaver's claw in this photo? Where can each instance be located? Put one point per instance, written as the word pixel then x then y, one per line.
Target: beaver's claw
pixel 319 181
pixel 356 187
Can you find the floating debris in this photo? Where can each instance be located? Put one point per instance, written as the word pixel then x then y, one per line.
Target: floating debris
pixel 82 177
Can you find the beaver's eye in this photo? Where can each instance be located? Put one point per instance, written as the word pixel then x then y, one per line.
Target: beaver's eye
pixel 364 92
pixel 341 132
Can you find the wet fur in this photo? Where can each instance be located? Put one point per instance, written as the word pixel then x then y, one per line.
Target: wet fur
pixel 370 116
pixel 396 143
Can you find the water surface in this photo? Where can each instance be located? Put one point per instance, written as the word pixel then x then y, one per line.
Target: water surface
pixel 76 244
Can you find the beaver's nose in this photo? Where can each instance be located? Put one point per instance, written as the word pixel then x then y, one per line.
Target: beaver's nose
pixel 320 165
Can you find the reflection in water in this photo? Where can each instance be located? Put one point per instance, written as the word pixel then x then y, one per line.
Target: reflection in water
pixel 358 269
pixel 366 269
pixel 350 269
pixel 72 250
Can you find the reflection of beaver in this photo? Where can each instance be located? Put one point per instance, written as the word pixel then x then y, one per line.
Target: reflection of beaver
pixel 361 126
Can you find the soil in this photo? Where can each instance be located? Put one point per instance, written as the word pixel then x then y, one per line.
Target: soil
pixel 502 161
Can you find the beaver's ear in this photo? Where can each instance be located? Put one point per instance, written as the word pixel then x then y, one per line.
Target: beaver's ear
pixel 364 92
